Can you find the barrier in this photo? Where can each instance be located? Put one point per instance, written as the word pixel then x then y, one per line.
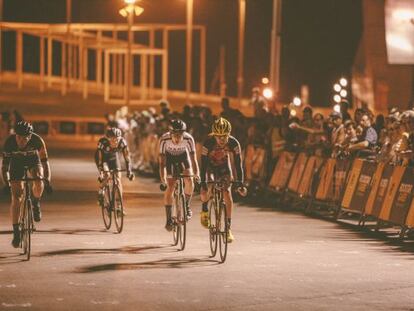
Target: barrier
pixel 255 162
pixel 282 171
pixel 297 173
pixel 313 165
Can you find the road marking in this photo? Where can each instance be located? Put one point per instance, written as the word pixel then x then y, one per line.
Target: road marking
pixel 316 241
pixel 261 242
pixel 12 305
pixel 8 286
pixel 158 283
pixel 82 284
pixel 114 302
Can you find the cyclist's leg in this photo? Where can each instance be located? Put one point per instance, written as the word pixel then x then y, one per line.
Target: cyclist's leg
pixel 102 183
pixel 168 197
pixel 16 188
pixel 37 190
pixel 204 197
pixel 189 187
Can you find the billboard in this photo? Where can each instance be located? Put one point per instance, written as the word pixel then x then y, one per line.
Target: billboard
pixel 399 31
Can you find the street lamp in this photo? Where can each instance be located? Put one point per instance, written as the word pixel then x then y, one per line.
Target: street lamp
pixel 297 101
pixel 268 93
pixel 343 82
pixel 337 87
pixel 129 11
pixel 337 98
pixel 265 80
pixel 343 93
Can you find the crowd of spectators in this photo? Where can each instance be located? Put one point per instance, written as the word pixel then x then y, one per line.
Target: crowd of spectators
pixel 269 132
pixel 8 119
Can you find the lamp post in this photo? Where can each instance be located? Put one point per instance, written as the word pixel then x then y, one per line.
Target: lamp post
pixel 189 46
pixel 275 46
pixel 129 11
pixel 240 78
pixel 1 54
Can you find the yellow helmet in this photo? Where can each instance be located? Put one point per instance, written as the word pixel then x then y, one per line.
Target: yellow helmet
pixel 221 127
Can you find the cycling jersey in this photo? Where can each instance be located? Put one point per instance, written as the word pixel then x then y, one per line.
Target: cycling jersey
pixel 17 164
pixel 215 159
pixel 110 155
pixel 177 154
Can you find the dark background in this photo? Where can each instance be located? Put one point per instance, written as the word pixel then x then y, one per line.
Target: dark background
pixel 319 37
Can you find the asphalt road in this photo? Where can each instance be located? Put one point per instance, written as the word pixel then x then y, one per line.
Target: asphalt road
pixel 279 261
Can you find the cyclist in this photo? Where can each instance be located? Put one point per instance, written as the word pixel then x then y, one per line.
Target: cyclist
pixel 177 149
pixel 215 163
pixel 13 167
pixel 107 158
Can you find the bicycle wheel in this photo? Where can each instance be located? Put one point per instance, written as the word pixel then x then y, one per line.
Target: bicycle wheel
pixel 176 228
pixel 213 218
pixel 118 209
pixel 222 231
pixel 106 208
pixel 26 230
pixel 182 221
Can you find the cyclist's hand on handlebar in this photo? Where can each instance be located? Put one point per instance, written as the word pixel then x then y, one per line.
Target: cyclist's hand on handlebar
pixel 242 191
pixel 197 179
pixel 163 187
pixel 48 187
pixel 130 175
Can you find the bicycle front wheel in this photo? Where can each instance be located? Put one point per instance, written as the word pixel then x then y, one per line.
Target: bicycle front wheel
pixel 118 208
pixel 26 229
pixel 106 208
pixel 223 231
pixel 181 221
pixel 213 231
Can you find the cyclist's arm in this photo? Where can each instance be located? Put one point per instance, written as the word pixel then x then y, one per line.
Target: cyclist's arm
pixel 193 156
pixel 204 163
pixel 238 162
pixel 5 170
pixel 127 158
pixel 45 161
pixel 162 161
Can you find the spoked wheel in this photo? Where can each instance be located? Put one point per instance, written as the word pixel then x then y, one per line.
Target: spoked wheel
pixel 222 231
pixel 213 218
pixel 26 230
pixel 176 231
pixel 106 209
pixel 181 221
pixel 118 210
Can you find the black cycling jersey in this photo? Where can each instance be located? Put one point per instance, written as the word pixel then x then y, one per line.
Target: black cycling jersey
pixel 16 164
pixel 215 159
pixel 110 155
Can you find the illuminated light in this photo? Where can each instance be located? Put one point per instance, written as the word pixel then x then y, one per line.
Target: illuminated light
pixel 123 12
pixel 343 82
pixel 265 80
pixel 268 93
pixel 138 10
pixel 297 101
pixel 293 113
pixel 403 15
pixel 343 93
pixel 337 108
pixel 337 87
pixel 130 1
pixel 399 43
pixel 337 98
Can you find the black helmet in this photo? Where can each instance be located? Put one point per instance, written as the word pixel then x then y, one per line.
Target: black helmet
pixel 113 132
pixel 23 128
pixel 178 126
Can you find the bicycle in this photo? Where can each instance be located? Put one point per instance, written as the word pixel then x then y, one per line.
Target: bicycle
pixel 26 224
pixel 217 214
pixel 112 202
pixel 179 210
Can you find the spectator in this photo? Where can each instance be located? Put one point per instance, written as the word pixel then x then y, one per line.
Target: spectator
pixel 344 106
pixel 368 139
pixel 338 133
pixel 258 103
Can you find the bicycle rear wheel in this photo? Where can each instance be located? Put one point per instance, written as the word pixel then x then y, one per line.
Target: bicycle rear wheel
pixel 222 231
pixel 213 220
pixel 106 208
pixel 118 208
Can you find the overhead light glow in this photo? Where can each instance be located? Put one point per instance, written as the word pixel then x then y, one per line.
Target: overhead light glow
pixel 293 113
pixel 265 80
pixel 337 87
pixel 337 98
pixel 343 82
pixel 343 93
pixel 297 101
pixel 337 108
pixel 268 93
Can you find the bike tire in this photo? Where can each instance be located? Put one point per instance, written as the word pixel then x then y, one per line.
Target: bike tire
pixel 213 233
pixel 182 221
pixel 118 209
pixel 106 209
pixel 26 229
pixel 223 231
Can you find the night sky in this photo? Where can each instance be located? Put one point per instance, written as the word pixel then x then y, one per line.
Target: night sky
pixel 319 37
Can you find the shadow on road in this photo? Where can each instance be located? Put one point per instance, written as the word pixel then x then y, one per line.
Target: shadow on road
pixel 121 250
pixel 157 264
pixel 7 232
pixel 74 231
pixel 11 258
